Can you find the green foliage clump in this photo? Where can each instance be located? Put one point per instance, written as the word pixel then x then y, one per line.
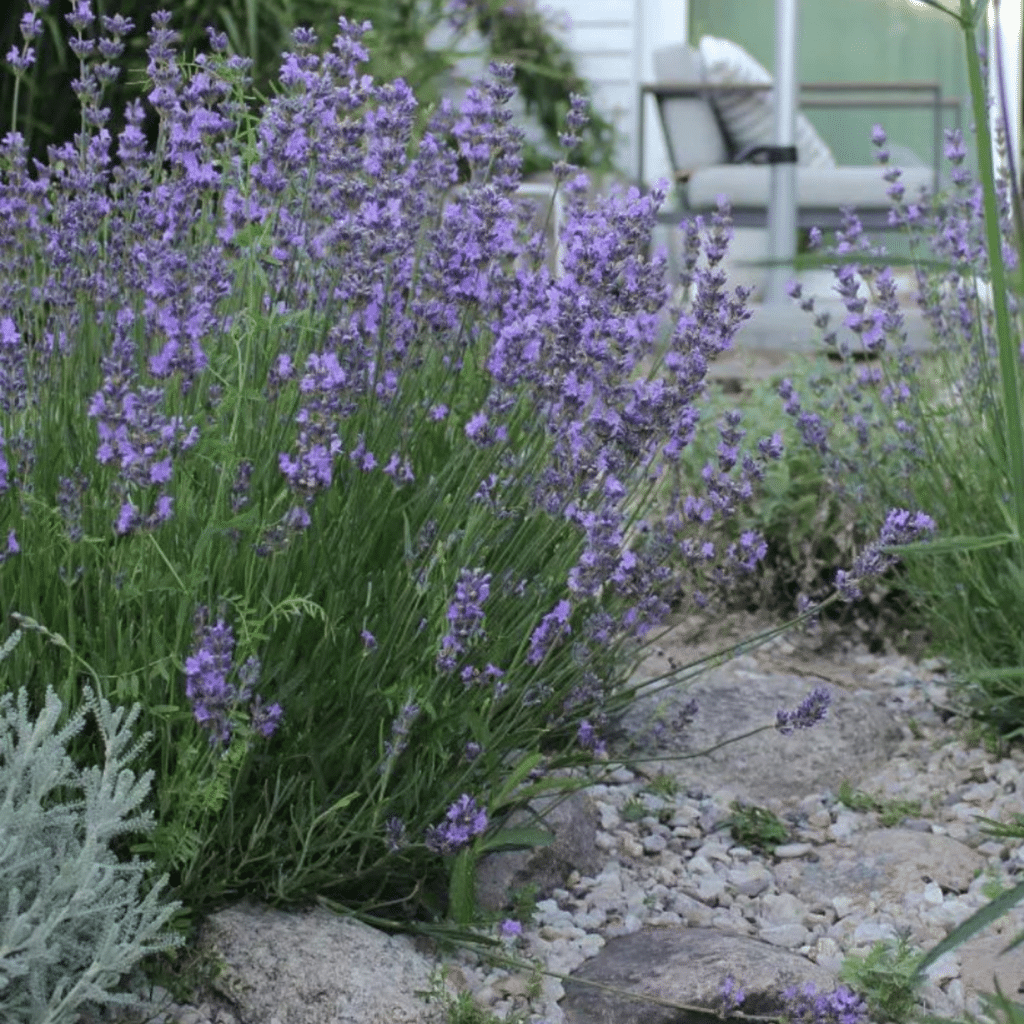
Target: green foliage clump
pixel 891 812
pixel 886 979
pixel 420 41
pixel 808 527
pixel 71 921
pixel 756 827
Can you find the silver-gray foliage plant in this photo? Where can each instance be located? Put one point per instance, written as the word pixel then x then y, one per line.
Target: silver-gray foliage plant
pixel 70 921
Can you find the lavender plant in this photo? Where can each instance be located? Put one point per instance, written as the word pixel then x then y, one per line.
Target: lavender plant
pixel 304 448
pixel 884 437
pixel 808 527
pixel 422 42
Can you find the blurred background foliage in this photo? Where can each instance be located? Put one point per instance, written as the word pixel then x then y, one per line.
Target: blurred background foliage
pixel 421 41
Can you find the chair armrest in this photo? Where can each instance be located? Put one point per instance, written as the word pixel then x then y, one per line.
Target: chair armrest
pixel 697 90
pixel 888 96
pixel 914 95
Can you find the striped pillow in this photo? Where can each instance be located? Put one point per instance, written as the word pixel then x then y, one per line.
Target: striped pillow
pixel 750 120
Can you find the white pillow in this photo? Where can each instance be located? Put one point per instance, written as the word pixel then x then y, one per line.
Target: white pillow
pixel 750 120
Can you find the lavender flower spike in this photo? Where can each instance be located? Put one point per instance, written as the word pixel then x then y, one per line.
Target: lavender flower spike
pixel 900 527
pixel 812 709
pixel 206 672
pixel 463 821
pixel 807 1006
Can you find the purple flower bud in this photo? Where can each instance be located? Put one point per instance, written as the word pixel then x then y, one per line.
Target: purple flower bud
pixel 464 820
pixel 394 831
pixel 552 627
pixel 206 673
pixel 31 26
pixel 81 16
pixel 811 710
pixel 732 994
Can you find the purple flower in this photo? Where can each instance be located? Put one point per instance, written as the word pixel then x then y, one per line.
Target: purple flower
pixel 69 503
pixel 476 427
pixel 458 13
pixel 900 527
pixel 133 434
pixel 399 735
pixel 511 928
pixel 465 617
pixel 20 62
pixel 552 627
pixel 811 710
pixel 206 673
pixel 127 519
pixel 394 832
pixel 264 720
pixel 954 149
pixel 839 1007
pixel 732 995
pixel 240 486
pixel 575 121
pixel 81 16
pixel 463 821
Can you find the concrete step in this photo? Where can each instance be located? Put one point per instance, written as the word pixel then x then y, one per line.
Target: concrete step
pixel 777 336
pixel 779 340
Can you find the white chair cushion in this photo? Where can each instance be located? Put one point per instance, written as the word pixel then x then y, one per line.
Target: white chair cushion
pixel 694 136
pixel 747 186
pixel 750 120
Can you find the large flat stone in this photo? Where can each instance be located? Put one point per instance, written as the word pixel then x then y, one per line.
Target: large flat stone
pixel 316 967
pixel 856 737
pixel 573 825
pixel 684 966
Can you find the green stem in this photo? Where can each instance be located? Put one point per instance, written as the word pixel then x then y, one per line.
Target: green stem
pixel 1008 358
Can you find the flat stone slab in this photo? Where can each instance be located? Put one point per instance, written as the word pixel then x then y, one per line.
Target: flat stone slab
pixel 857 736
pixel 684 966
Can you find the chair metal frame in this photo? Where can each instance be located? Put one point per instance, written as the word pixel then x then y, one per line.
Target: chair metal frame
pixel 851 95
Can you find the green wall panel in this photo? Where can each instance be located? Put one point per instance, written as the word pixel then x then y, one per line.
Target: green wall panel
pixel 854 40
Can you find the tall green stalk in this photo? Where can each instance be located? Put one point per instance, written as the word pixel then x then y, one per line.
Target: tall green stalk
pixel 1008 356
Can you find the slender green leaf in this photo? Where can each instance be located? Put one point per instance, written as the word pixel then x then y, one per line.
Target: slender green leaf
pixel 516 776
pixel 461 888
pixel 516 839
pixel 974 924
pixel 945 545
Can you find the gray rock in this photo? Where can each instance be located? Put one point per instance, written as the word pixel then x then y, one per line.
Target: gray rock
pixel 685 966
pixel 856 736
pixel 316 967
pixel 888 862
pixel 573 823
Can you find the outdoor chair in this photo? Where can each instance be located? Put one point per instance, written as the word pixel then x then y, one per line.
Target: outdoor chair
pixel 716 111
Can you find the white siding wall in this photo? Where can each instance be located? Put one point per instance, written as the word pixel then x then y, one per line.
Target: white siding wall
pixel 603 38
pixel 612 40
